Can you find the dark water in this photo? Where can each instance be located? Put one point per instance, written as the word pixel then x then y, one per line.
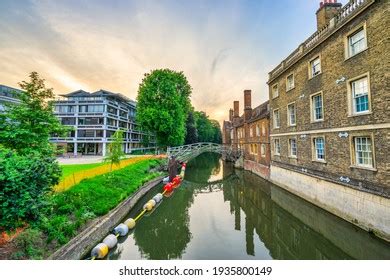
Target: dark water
pixel 222 213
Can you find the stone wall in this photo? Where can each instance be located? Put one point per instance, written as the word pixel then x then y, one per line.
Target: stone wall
pixel 257 168
pixel 368 211
pixel 333 83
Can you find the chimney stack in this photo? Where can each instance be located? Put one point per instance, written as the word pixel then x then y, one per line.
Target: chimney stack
pixel 231 115
pixel 247 104
pixel 328 9
pixel 236 106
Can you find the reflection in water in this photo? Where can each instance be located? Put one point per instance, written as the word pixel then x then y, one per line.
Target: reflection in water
pixel 241 217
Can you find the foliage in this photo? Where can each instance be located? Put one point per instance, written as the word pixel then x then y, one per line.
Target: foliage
pixel 27 126
pixel 216 132
pixel 27 166
pixel 115 153
pixel 208 130
pixel 25 181
pixel 29 244
pixel 191 130
pixel 163 104
pixel 71 210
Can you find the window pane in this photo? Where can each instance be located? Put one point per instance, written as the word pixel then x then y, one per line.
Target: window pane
pixel 357 42
pixel 360 95
pixel 363 151
pixel 319 148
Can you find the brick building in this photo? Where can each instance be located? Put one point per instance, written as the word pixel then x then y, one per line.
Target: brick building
pixel 330 114
pixel 250 133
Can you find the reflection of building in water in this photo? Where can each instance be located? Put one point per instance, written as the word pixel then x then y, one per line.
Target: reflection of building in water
pixel 289 236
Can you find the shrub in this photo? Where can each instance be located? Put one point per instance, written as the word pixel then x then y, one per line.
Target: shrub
pixel 30 244
pixel 25 182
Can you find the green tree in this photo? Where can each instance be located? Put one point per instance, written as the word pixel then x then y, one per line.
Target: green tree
pixel 191 130
pixel 28 126
pixel 204 127
pixel 28 168
pixel 217 133
pixel 115 153
pixel 163 104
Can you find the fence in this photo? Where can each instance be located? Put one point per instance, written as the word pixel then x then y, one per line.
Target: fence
pixel 77 176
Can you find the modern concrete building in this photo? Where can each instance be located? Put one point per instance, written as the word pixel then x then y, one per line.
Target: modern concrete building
pixel 250 133
pixel 7 95
pixel 95 117
pixel 330 115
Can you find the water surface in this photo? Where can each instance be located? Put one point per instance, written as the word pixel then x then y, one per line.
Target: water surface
pixel 222 213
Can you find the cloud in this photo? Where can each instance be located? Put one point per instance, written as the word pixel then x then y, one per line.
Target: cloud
pixel 223 47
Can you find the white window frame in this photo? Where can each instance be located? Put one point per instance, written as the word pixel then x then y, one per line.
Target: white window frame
pixel 314 148
pixel 263 130
pixel 292 86
pixel 289 123
pixel 277 151
pixel 290 154
pixel 274 119
pixel 313 74
pixel 348 47
pixel 351 99
pixel 275 93
pixel 257 130
pixel 313 117
pixel 354 151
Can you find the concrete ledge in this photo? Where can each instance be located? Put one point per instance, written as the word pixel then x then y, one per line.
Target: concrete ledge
pixel 80 245
pixel 366 210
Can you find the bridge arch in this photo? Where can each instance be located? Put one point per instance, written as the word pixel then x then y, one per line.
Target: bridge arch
pixel 188 152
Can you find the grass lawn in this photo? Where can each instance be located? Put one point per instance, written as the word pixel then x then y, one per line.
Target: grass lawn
pixel 71 168
pixel 70 210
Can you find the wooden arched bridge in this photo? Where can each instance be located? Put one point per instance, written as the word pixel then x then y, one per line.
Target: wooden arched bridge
pixel 188 152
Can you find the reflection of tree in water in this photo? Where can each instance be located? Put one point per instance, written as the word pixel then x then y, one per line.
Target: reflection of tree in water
pixel 202 167
pixel 165 233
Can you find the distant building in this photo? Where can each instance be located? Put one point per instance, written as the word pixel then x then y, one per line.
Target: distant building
pixel 250 133
pixel 330 114
pixel 8 95
pixel 95 117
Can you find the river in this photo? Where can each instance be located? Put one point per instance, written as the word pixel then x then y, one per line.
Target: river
pixel 223 213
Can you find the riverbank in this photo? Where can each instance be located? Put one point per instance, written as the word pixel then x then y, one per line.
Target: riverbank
pixel 70 212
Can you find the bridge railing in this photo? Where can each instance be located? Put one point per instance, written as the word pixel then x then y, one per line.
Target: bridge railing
pixel 189 151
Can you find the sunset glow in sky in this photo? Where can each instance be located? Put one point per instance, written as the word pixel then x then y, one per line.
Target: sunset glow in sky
pixel 223 47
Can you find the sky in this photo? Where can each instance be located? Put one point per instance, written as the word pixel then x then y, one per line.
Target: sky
pixel 222 46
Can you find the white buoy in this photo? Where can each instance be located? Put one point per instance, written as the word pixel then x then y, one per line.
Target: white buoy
pixel 110 241
pixel 158 197
pixel 122 229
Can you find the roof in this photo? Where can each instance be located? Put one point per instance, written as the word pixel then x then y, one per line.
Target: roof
pixel 260 112
pixel 100 92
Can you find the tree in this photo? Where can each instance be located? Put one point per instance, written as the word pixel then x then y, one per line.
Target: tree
pixel 191 130
pixel 163 104
pixel 28 168
pixel 28 126
pixel 115 153
pixel 203 125
pixel 217 134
